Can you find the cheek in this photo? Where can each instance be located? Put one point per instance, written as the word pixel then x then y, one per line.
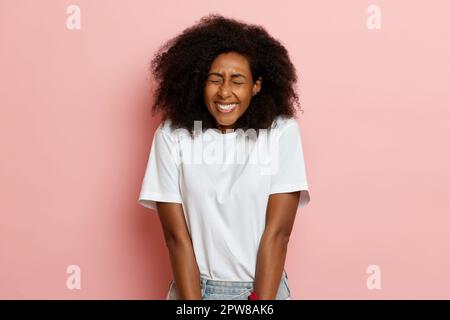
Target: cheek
pixel 208 92
pixel 245 95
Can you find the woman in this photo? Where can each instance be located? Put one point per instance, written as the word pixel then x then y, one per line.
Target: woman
pixel 226 172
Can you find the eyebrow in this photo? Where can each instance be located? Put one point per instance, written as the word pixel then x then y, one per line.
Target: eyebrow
pixel 234 75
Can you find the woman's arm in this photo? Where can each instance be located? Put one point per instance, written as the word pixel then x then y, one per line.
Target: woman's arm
pixel 182 257
pixel 280 217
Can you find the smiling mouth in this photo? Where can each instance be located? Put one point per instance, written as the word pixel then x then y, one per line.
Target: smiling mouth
pixel 226 108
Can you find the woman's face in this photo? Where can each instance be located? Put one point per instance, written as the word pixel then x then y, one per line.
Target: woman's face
pixel 229 89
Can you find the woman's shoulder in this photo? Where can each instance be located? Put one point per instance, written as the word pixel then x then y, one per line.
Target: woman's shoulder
pixel 282 122
pixel 167 129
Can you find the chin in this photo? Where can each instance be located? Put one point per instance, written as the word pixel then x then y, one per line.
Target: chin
pixel 226 124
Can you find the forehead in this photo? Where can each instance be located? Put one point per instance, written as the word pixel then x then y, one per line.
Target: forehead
pixel 230 62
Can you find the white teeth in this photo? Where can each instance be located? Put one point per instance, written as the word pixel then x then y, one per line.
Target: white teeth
pixel 227 106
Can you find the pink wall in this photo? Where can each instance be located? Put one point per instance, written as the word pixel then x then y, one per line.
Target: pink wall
pixel 75 132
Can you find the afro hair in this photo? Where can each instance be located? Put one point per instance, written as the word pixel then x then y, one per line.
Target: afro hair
pixel 180 68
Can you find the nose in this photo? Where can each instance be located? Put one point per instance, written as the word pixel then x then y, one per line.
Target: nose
pixel 224 91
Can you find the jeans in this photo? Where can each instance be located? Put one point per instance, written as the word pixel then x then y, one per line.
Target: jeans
pixel 230 290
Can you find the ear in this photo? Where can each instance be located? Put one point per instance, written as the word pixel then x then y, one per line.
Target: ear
pixel 257 86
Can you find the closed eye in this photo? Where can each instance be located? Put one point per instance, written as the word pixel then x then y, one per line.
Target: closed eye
pixel 218 81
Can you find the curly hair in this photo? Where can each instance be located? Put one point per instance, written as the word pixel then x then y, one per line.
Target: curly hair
pixel 181 65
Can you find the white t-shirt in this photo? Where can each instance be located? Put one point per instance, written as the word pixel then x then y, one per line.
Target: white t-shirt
pixel 223 182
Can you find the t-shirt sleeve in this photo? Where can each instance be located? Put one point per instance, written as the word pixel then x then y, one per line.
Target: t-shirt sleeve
pixel 289 170
pixel 160 181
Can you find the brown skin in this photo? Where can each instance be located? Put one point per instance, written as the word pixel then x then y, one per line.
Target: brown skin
pixel 280 217
pixel 229 81
pixel 182 256
pixel 225 86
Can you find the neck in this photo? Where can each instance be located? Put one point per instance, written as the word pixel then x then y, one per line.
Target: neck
pixel 224 128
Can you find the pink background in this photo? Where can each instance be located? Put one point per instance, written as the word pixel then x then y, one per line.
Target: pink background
pixel 75 133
